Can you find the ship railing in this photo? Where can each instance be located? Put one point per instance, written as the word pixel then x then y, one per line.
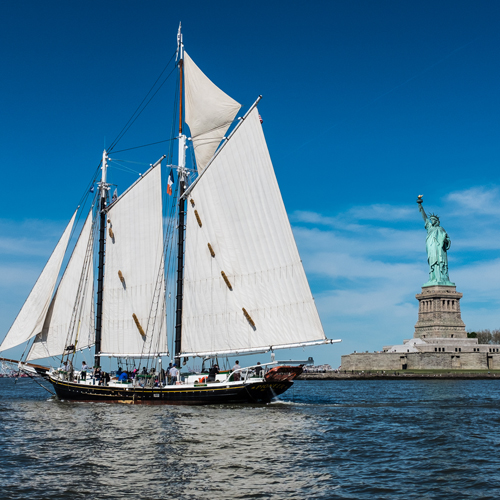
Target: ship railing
pixel 249 372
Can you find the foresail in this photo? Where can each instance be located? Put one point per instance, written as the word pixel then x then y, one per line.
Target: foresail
pixel 134 321
pixel 245 288
pixel 70 319
pixel 31 317
pixel 209 112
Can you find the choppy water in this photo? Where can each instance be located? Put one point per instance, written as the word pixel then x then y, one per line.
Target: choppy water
pixel 414 439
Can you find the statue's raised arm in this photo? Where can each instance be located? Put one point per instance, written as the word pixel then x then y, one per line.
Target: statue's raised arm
pixel 421 208
pixel 437 244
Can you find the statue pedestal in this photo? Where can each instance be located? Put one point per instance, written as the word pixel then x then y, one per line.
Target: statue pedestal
pixel 439 313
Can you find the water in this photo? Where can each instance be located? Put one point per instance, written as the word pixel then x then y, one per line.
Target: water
pixel 408 439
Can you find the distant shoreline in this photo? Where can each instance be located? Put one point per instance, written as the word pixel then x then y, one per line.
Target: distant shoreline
pixel 392 375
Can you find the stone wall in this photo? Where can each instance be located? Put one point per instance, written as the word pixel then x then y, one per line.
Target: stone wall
pixel 372 361
pixel 439 313
pixel 420 361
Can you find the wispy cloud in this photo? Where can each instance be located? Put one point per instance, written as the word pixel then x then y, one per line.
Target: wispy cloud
pixel 382 212
pixel 476 201
pixel 29 237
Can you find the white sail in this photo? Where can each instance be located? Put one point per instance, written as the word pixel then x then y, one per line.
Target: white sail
pixel 209 112
pixel 70 319
pixel 238 203
pixel 133 277
pixel 31 317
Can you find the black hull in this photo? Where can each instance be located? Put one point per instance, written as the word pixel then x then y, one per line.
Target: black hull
pixel 257 392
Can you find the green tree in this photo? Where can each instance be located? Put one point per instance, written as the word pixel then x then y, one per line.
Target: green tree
pixel 495 336
pixel 484 337
pixel 471 335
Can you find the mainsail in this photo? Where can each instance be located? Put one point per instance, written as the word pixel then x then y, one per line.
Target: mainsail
pixel 70 319
pixel 209 112
pixel 245 288
pixel 31 317
pixel 134 321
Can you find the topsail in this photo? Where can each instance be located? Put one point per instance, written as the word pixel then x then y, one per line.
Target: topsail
pixel 209 112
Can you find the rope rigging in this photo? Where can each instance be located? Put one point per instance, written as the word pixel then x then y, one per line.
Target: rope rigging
pixel 138 110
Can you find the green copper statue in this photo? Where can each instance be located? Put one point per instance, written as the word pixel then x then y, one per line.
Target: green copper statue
pixel 438 243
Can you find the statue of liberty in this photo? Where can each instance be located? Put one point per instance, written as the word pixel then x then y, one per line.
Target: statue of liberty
pixel 437 244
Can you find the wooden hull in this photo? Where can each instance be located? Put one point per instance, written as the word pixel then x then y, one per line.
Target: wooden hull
pixel 230 393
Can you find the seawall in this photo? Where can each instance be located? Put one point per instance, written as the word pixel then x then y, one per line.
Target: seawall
pixel 392 375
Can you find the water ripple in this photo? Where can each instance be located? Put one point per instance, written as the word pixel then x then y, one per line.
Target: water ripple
pixel 414 439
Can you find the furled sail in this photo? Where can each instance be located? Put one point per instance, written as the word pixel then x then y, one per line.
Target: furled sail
pixel 209 112
pixel 244 288
pixel 134 321
pixel 31 317
pixel 70 319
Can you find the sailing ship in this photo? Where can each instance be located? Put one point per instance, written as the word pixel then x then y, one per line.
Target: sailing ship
pixel 240 285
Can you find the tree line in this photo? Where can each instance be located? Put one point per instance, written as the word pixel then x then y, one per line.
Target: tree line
pixel 485 336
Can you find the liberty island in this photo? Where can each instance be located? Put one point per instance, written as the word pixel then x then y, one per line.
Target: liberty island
pixel 440 340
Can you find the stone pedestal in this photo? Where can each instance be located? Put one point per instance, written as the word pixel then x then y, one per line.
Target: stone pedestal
pixel 439 313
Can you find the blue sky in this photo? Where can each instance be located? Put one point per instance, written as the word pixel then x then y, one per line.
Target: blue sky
pixel 366 105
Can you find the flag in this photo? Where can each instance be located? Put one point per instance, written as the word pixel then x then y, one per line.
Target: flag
pixel 261 120
pixel 115 195
pixel 170 183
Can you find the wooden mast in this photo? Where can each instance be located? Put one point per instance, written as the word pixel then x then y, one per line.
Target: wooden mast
pixel 100 273
pixel 182 212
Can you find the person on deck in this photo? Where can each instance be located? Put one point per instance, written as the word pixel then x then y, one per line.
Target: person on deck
pixel 258 370
pixel 123 377
pixel 98 375
pixel 237 374
pixel 212 373
pixel 169 376
pixel 174 372
pixel 83 371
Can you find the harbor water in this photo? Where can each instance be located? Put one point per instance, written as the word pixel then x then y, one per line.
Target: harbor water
pixel 387 439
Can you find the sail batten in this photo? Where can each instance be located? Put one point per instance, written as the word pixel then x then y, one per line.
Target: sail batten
pixel 245 222
pixel 31 317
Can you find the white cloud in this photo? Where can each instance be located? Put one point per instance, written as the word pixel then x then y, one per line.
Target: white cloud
pixel 30 237
pixel 476 201
pixel 18 276
pixel 382 212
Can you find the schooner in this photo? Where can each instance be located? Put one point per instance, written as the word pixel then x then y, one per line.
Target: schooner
pixel 240 287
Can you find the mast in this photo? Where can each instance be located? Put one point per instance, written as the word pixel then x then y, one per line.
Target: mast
pixel 181 173
pixel 100 276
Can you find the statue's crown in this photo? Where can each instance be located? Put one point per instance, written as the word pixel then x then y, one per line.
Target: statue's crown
pixel 433 216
